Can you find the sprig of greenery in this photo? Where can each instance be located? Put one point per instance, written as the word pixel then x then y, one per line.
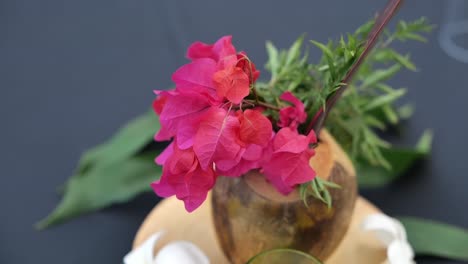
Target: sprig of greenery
pixel 318 188
pixel 369 103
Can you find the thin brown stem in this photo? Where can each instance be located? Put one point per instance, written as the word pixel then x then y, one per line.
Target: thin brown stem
pixel 264 104
pixel 255 94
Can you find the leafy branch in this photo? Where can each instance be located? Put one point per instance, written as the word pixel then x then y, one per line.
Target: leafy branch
pixel 369 103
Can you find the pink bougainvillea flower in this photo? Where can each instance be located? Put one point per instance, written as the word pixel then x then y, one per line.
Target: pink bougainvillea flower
pixel 247 66
pixel 197 76
pixel 292 116
pixel 250 159
pixel 235 76
pixel 209 138
pixel 289 165
pixel 182 176
pixel 232 83
pixel 255 128
pixel 180 115
pixel 222 48
pixel 165 154
pixel 255 131
pixel 217 71
pixel 216 137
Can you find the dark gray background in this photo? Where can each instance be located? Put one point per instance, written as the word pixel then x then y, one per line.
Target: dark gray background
pixel 71 72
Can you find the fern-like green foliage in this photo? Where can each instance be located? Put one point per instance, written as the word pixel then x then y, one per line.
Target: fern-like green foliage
pixel 369 102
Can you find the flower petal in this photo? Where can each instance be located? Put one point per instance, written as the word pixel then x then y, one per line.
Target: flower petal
pixel 144 253
pixel 400 252
pixel 222 48
pixel 386 228
pixel 392 233
pixel 216 137
pixel 232 83
pixel 255 128
pixel 181 252
pixel 167 152
pixel 196 73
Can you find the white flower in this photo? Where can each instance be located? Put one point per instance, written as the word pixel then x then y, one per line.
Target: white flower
pixel 180 252
pixel 392 234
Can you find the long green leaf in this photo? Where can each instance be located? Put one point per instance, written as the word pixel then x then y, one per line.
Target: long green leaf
pixel 380 76
pixel 384 99
pixel 436 239
pixel 400 160
pixel 273 59
pixel 294 51
pixel 103 185
pixel 126 142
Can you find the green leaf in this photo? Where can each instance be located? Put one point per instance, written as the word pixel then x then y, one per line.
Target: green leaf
pixel 103 185
pixel 318 188
pixel 126 142
pixel 328 54
pixel 436 239
pixel 273 59
pixel 380 75
pixel 387 55
pixel 294 51
pixel 283 255
pixel 384 99
pixel 390 114
pixel 406 111
pixel 405 61
pixel 400 159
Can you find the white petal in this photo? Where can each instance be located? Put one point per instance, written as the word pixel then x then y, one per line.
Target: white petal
pixel 144 253
pixel 400 252
pixel 386 228
pixel 181 252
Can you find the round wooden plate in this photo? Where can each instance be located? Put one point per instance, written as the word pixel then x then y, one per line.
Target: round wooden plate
pixel 197 227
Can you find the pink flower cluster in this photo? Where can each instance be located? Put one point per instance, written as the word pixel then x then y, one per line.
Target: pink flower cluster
pixel 214 132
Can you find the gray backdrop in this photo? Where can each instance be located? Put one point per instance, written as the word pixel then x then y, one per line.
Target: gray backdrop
pixel 71 72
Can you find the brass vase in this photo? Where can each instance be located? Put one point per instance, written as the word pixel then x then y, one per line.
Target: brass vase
pixel 250 216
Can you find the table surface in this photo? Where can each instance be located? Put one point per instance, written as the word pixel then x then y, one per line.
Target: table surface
pixel 71 72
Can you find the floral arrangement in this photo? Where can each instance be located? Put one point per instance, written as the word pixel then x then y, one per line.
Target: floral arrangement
pixel 223 121
pixel 221 125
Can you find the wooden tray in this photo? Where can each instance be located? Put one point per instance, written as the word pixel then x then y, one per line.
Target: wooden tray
pixel 197 227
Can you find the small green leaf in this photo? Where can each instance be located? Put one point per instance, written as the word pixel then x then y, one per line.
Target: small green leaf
pixel 405 61
pixel 400 159
pixel 387 55
pixel 294 51
pixel 436 239
pixel 103 185
pixel 283 255
pixel 374 122
pixel 318 188
pixel 380 75
pixel 390 114
pixel 328 54
pixel 273 59
pixel 384 99
pixel 326 50
pixel 425 142
pixel 406 111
